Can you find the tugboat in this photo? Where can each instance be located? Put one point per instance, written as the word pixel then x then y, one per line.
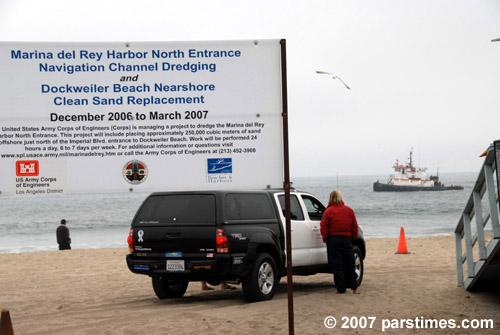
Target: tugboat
pixel 408 178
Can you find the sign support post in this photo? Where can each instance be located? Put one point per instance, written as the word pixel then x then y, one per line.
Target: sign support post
pixel 286 186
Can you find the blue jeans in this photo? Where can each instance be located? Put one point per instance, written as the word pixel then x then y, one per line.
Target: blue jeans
pixel 341 260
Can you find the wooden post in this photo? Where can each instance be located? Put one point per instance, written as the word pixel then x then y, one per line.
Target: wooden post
pixel 481 244
pixel 6 323
pixel 468 247
pixel 490 188
pixel 459 253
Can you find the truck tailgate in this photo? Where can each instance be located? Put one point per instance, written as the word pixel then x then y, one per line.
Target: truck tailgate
pixel 171 241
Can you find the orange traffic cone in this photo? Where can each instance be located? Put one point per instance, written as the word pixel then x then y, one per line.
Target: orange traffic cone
pixel 402 249
pixel 6 323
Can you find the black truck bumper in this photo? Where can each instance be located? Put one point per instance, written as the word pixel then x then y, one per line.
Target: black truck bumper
pixel 219 268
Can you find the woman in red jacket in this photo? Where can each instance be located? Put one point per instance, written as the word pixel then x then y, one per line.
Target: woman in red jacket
pixel 339 228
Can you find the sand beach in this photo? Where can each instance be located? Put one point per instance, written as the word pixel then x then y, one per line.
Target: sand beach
pixel 91 291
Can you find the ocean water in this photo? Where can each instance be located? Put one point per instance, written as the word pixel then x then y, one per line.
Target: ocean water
pixel 382 214
pixel 103 220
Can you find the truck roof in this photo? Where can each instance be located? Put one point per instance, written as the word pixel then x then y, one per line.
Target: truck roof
pixel 222 192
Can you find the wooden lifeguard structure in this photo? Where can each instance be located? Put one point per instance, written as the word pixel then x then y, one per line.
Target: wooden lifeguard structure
pixel 478 230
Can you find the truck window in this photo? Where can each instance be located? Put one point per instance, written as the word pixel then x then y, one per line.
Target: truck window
pixel 241 206
pixel 295 210
pixel 314 207
pixel 194 209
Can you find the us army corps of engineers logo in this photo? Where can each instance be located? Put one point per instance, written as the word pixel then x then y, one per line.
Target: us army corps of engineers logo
pixel 135 172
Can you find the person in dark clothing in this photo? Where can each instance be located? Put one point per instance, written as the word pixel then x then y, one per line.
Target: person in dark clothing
pixel 63 238
pixel 339 228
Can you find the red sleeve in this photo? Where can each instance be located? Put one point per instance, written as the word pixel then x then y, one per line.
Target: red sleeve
pixel 324 227
pixel 354 227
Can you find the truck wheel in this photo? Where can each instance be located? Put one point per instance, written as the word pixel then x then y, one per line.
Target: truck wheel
pixel 358 263
pixel 262 281
pixel 166 287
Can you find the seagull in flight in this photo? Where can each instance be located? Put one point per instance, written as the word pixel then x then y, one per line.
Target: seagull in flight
pixel 334 77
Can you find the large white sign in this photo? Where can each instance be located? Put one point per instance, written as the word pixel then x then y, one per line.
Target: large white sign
pixel 109 117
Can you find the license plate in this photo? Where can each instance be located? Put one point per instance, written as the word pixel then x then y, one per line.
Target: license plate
pixel 175 265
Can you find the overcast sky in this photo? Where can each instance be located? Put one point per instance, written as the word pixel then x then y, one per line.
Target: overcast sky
pixel 424 74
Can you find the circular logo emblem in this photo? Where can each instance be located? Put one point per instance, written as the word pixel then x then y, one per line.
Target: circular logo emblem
pixel 135 172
